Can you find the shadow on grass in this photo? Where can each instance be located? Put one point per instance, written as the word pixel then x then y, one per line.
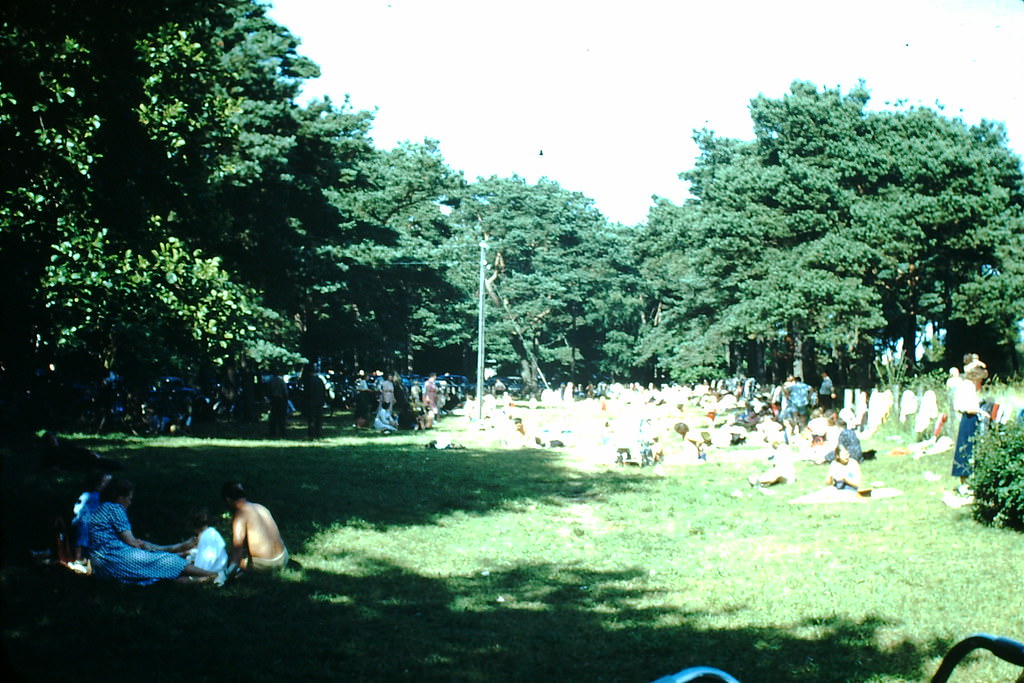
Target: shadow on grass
pixel 387 622
pixel 377 483
pixel 551 624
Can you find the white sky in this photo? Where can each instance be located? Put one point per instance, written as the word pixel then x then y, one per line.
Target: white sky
pixel 611 90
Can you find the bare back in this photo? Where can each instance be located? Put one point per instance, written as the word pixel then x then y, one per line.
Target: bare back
pixel 254 529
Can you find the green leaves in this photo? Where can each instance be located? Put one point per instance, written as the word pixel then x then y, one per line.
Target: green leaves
pixel 555 266
pixel 144 311
pixel 841 225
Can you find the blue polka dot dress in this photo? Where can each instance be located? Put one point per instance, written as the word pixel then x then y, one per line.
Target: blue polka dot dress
pixel 114 559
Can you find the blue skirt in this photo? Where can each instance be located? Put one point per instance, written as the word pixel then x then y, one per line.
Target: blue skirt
pixel 962 456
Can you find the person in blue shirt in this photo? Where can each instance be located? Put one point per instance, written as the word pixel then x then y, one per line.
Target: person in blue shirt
pixel 117 554
pixel 86 504
pixel 826 392
pixel 798 398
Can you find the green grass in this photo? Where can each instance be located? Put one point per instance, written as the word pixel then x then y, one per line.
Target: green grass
pixel 488 564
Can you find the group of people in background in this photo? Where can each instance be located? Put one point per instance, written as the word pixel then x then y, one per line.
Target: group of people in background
pixel 793 414
pixel 387 403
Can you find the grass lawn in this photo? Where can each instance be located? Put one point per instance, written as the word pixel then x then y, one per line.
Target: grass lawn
pixel 486 564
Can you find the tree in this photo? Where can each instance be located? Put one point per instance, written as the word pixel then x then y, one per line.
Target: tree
pixel 163 138
pixel 832 230
pixel 545 272
pixel 90 164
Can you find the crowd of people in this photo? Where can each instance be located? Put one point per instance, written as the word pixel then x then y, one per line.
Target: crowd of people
pixel 793 421
pixel 387 402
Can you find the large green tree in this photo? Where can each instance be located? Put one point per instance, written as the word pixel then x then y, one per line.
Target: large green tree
pixel 107 111
pixel 834 231
pixel 552 260
pixel 164 188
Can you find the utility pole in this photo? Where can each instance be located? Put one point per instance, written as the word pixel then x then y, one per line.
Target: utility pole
pixel 480 336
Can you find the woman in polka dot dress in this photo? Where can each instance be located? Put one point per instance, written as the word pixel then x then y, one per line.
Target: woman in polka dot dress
pixel 117 554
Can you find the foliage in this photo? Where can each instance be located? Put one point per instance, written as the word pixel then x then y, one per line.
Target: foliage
pixel 891 375
pixel 102 107
pixel 150 142
pixel 998 478
pixel 552 255
pixel 837 229
pixel 147 314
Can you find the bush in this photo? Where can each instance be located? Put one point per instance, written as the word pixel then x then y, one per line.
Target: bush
pixel 998 478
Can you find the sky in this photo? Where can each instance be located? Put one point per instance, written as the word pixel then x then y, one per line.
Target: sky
pixel 612 90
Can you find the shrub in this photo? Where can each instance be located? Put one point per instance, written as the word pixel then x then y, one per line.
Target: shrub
pixel 998 478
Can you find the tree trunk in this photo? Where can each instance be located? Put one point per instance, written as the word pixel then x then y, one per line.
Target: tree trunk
pixel 910 343
pixel 798 355
pixel 527 359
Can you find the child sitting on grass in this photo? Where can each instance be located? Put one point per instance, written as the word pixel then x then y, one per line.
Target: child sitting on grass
pixel 210 552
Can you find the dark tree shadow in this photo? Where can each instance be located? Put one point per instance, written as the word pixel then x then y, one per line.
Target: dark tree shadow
pixel 387 623
pixel 395 625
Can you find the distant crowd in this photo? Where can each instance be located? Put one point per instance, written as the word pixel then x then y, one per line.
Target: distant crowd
pixel 793 421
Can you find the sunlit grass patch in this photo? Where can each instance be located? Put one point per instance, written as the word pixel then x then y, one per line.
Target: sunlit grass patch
pixel 540 564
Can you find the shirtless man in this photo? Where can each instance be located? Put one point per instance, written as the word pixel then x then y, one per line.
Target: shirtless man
pixel 255 540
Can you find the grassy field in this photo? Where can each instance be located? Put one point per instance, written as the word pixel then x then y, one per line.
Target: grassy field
pixel 486 564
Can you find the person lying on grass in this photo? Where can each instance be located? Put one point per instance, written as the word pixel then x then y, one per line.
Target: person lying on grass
pixel 117 554
pixel 255 540
pixel 843 472
pixel 782 471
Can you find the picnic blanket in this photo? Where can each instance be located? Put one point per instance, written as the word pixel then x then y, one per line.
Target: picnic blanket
pixel 831 494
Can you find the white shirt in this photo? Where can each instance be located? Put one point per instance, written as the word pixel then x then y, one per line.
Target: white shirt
pixel 965 398
pixel 211 553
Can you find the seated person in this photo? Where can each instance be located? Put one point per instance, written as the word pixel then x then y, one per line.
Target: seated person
pixel 518 437
pixel 210 551
pixel 424 420
pixel 85 506
pixel 824 431
pixel 847 440
pixel 819 424
pixel 116 554
pixel 843 472
pixel 657 450
pixel 385 421
pixel 771 432
pixel 693 442
pixel 255 540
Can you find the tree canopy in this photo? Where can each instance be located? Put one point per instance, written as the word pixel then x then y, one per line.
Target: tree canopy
pixel 169 207
pixel 841 230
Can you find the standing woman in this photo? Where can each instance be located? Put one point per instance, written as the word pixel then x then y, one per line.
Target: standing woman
pixel 117 554
pixel 967 403
pixel 387 393
pixel 430 394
